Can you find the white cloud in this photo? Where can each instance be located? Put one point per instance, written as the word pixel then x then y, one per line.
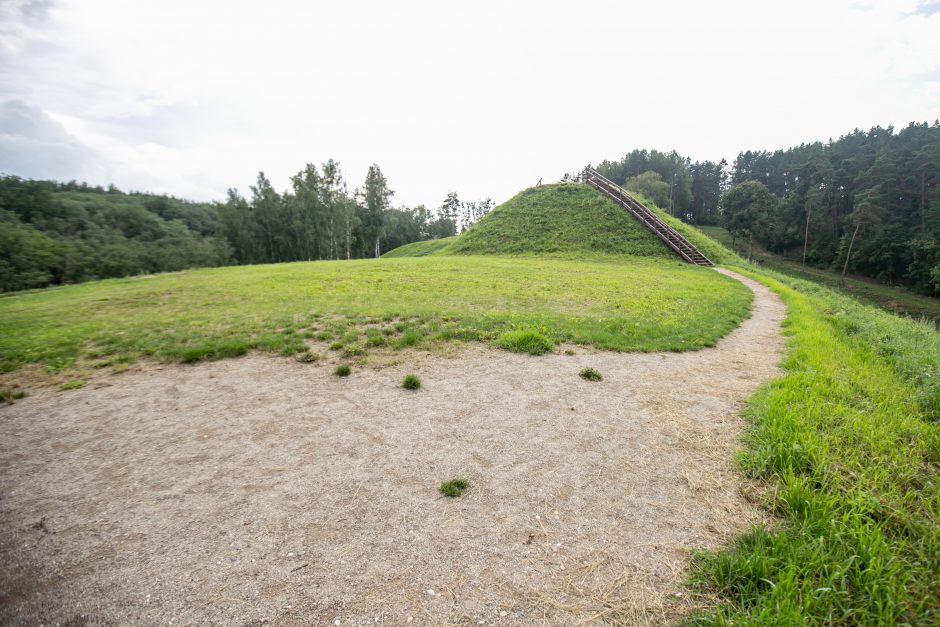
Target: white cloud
pixel 486 98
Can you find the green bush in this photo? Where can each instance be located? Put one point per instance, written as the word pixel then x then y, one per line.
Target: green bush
pixel 411 382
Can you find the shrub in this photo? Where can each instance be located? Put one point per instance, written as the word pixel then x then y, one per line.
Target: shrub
pixel 335 346
pixel 342 370
pixel 454 487
pixel 525 341
pixel 411 382
pixel 590 374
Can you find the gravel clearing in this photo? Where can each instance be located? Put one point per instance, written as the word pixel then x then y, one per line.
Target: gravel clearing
pixel 260 489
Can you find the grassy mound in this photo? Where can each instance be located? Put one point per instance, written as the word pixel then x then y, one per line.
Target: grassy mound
pixel 563 218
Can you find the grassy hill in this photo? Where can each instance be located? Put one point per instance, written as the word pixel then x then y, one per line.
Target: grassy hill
pixel 566 219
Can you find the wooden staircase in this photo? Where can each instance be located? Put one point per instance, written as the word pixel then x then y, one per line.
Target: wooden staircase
pixel 680 245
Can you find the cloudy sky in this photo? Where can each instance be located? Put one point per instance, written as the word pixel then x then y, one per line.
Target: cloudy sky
pixel 193 97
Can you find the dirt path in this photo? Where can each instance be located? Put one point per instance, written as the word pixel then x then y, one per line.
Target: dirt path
pixel 260 489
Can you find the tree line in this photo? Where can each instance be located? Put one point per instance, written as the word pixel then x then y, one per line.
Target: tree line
pixel 867 203
pixel 56 233
pixel 319 218
pixel 688 190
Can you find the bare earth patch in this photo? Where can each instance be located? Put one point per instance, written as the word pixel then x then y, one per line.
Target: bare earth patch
pixel 262 489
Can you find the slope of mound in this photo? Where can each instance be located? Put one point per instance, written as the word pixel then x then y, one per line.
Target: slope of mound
pixel 421 249
pixel 710 247
pixel 562 218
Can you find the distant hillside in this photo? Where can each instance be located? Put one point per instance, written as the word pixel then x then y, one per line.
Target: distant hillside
pixel 567 218
pixel 54 233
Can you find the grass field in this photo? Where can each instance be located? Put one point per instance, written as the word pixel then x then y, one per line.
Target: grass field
pixel 357 306
pixel 891 297
pixel 848 445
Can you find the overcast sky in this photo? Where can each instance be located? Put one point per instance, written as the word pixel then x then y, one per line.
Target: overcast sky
pixel 193 97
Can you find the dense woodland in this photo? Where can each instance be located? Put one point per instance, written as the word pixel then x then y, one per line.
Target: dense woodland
pixel 55 233
pixel 867 203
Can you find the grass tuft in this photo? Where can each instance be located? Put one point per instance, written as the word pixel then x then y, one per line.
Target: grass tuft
pixel 454 487
pixel 411 382
pixel 8 396
pixel 342 370
pixel 525 341
pixel 590 374
pixel 72 385
pixel 307 357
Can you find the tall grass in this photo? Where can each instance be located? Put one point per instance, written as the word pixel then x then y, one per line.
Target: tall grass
pixel 849 447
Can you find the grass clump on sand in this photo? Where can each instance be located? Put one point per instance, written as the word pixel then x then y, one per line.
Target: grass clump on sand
pixel 8 396
pixel 590 374
pixel 848 445
pixel 525 341
pixel 72 385
pixel 342 370
pixel 454 487
pixel 411 382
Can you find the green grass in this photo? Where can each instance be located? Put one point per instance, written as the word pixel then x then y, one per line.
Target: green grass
pixel 421 249
pixel 566 218
pixel 411 382
pixel 892 298
pixel 590 374
pixel 453 488
pixel 626 304
pixel 525 341
pixel 342 370
pixel 848 446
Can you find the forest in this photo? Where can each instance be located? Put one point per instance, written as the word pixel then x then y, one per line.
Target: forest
pixel 867 203
pixel 57 233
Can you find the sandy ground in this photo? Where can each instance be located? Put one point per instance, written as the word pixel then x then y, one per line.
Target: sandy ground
pixel 263 490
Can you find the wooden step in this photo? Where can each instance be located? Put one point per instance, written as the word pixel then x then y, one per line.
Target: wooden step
pixel 647 218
